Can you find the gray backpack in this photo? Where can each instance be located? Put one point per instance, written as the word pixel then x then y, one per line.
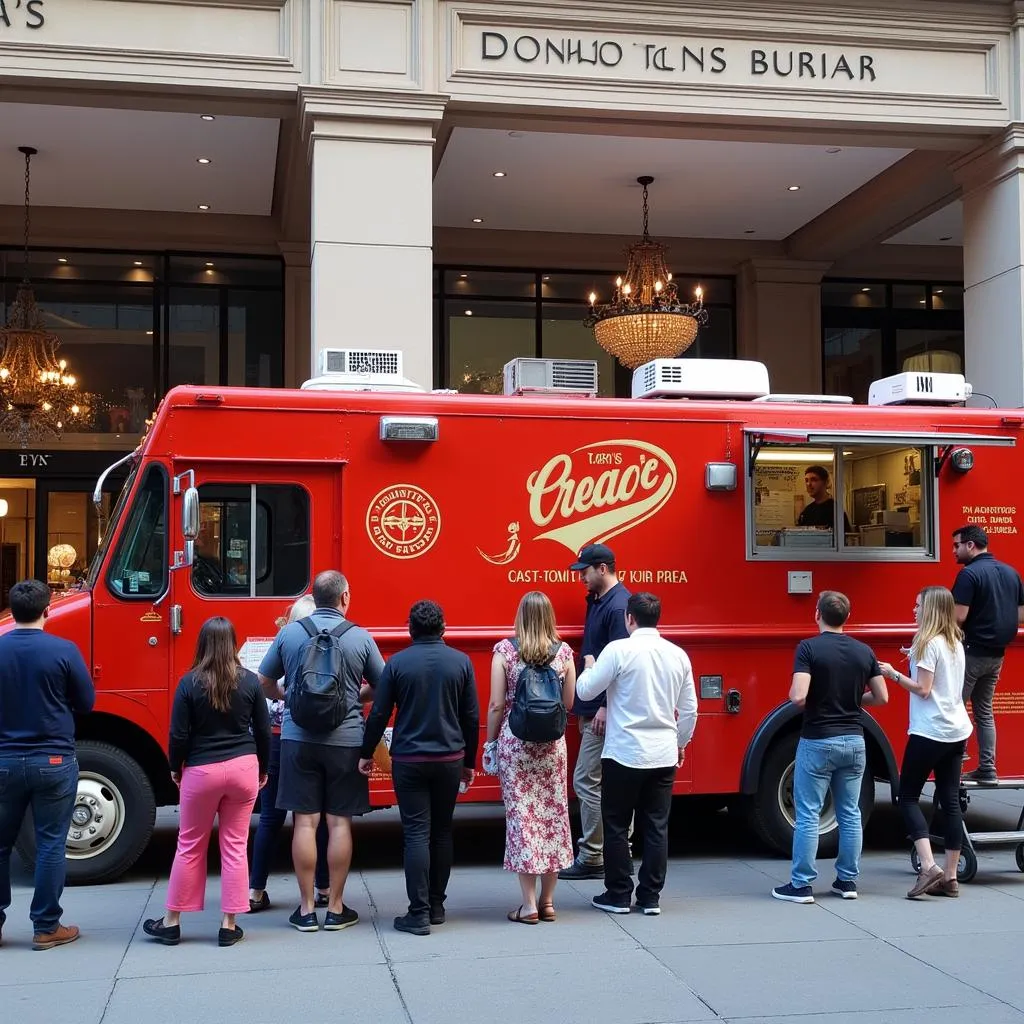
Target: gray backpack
pixel 317 700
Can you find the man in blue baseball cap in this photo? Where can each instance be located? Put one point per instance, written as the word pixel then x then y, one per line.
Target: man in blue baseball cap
pixel 606 621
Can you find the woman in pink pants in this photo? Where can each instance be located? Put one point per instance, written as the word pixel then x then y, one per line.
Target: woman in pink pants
pixel 219 751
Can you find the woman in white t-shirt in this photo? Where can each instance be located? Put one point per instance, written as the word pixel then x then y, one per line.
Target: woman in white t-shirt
pixel 939 727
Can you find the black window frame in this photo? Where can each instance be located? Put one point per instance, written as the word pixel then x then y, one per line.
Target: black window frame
pixel 122 538
pixel 441 296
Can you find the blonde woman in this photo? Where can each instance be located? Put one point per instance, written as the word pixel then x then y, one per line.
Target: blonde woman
pixel 538 842
pixel 271 816
pixel 939 727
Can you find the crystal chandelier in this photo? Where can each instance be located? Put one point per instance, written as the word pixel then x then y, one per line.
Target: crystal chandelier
pixel 38 395
pixel 646 320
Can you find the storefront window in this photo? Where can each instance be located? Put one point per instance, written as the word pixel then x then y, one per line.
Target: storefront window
pixel 17 533
pixel 873 329
pixel 72 536
pixel 486 317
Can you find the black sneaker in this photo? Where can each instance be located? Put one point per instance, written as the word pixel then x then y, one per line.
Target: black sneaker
pixel 794 893
pixel 156 929
pixel 410 924
pixel 578 870
pixel 845 889
pixel 304 922
pixel 229 936
pixel 609 904
pixel 437 915
pixel 339 922
pixel 321 901
pixel 648 909
pixel 263 903
pixel 982 778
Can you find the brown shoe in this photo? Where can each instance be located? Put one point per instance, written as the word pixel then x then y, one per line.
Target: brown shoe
pixel 926 882
pixel 60 936
pixel 948 887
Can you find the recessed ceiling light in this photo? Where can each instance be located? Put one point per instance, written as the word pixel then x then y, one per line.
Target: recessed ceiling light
pixel 478 220
pixel 938 291
pixel 149 332
pixel 469 312
pixel 207 117
pixel 462 277
pixel 546 277
pixel 865 289
pixel 209 264
pixel 499 174
pixel 793 188
pixel 833 149
pixel 204 206
pixel 748 231
pixel 203 160
pixel 923 302
pixel 137 263
pixel 945 238
pixel 62 259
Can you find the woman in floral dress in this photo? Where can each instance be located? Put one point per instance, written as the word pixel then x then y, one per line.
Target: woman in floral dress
pixel 538 842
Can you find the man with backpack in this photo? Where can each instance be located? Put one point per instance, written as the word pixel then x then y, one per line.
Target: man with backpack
pixel 652 712
pixel 324 660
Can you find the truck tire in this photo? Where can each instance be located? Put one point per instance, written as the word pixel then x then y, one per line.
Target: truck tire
pixel 771 810
pixel 112 821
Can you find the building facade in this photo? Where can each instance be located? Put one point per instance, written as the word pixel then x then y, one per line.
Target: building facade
pixel 224 188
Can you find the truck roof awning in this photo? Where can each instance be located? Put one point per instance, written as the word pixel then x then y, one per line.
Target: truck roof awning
pixel 910 438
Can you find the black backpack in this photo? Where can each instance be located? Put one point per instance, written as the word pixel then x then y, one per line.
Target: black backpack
pixel 317 700
pixel 538 714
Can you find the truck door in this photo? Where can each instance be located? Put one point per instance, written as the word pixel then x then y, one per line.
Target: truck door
pixel 256 550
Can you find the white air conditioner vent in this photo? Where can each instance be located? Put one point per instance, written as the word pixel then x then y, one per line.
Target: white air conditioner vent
pixel 924 388
pixel 550 377
pixel 359 369
pixel 360 360
pixel 701 378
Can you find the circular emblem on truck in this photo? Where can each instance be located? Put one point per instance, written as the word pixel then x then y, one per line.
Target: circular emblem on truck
pixel 403 521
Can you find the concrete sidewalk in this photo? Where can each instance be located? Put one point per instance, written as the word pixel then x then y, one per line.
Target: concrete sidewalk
pixel 722 949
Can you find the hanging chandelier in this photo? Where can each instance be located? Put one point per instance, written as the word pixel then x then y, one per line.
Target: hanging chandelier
pixel 38 394
pixel 646 320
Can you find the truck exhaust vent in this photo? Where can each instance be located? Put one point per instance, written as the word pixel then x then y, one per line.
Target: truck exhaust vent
pixel 701 378
pixel 551 377
pixel 360 360
pixel 921 389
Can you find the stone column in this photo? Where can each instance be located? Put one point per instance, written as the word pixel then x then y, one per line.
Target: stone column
pixel 993 201
pixel 779 321
pixel 370 155
pixel 297 366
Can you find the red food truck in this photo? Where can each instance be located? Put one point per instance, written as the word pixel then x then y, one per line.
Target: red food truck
pixel 237 497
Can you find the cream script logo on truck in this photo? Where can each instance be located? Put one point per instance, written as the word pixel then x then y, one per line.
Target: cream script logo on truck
pixel 594 493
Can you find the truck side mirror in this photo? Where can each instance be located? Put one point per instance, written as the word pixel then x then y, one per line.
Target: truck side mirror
pixel 190 514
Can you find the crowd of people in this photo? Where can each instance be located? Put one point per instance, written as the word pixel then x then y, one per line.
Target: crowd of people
pixel 295 731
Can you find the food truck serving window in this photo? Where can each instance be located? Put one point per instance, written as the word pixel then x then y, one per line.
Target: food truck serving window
pixel 874 500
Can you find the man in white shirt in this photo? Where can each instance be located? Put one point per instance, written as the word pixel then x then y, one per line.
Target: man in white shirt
pixel 652 712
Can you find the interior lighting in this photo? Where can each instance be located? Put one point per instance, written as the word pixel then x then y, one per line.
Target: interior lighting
pixel 204 206
pixel 203 160
pixel 499 174
pixel 207 117
pixel 478 220
pixel 793 188
pixel 62 259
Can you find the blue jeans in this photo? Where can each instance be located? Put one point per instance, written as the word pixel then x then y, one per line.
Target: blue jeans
pixel 271 823
pixel 837 763
pixel 49 788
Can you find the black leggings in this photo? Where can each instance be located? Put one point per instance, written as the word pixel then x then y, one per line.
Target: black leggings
pixel 922 757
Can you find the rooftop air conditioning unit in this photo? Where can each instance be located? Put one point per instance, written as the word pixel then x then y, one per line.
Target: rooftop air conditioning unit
pixel 551 377
pixel 923 388
pixel 701 378
pixel 360 369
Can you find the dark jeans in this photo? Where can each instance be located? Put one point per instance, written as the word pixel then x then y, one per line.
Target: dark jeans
pixel 922 757
pixel 426 791
pixel 269 828
pixel 49 789
pixel 981 674
pixel 647 794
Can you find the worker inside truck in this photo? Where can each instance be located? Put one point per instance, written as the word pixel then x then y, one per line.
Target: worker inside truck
pixel 880 488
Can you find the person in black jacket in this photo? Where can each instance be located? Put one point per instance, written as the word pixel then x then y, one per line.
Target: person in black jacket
pixel 219 751
pixel 433 751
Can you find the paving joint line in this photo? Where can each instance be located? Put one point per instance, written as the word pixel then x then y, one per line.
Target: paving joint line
pixel 389 963
pixel 128 946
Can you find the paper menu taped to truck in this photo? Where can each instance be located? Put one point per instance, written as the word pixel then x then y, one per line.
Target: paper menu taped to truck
pixel 253 650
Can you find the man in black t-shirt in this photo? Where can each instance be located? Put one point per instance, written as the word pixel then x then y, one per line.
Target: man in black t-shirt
pixel 822 510
pixel 831 673
pixel 989 600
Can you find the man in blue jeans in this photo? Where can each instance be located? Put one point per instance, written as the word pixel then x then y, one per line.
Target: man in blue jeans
pixel 43 682
pixel 833 677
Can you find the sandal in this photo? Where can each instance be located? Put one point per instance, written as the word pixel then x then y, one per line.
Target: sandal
pixel 546 912
pixel 519 917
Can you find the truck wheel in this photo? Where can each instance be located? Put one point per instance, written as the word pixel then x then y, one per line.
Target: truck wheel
pixel 773 812
pixel 112 820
